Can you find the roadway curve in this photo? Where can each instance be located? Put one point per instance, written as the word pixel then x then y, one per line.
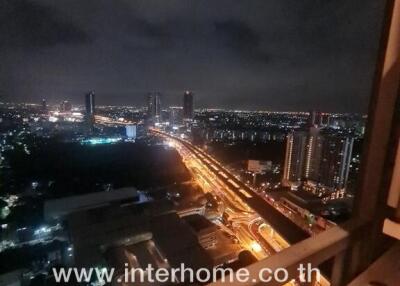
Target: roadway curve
pixel 283 225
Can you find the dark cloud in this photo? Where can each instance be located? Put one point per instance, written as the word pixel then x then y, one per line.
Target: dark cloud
pixel 27 24
pixel 241 38
pixel 143 34
pixel 262 54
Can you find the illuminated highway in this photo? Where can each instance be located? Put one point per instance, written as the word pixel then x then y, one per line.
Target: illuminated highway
pixel 282 224
pixel 242 220
pixel 250 228
pixel 257 225
pixel 239 214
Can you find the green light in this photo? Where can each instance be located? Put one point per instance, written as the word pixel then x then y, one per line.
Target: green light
pixel 98 141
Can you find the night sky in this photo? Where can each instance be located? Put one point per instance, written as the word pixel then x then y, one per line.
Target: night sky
pixel 260 54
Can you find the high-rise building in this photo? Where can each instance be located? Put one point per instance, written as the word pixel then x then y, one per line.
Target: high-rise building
pixel 313 153
pixel 295 157
pixel 130 131
pixel 325 119
pixel 335 161
pixel 188 105
pixel 157 104
pixel 324 159
pixel 175 116
pixel 314 119
pixel 318 119
pixel 154 105
pixel 90 110
pixel 44 106
pixel 90 104
pixel 150 105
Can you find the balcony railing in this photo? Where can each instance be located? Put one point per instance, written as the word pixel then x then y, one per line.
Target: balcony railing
pixel 330 244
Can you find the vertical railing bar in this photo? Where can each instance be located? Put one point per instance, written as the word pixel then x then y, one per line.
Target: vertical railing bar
pixel 337 277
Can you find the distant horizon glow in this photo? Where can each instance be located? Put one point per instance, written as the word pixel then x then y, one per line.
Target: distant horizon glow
pixel 289 55
pixel 197 109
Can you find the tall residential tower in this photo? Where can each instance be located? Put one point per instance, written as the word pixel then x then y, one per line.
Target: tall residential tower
pixel 188 105
pixel 320 158
pixel 90 110
pixel 90 104
pixel 154 106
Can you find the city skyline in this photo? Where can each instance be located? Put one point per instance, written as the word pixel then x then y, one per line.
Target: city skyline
pixel 144 104
pixel 225 57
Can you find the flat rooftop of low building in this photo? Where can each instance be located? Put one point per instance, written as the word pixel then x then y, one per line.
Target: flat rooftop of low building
pixel 310 201
pixel 198 222
pixel 58 208
pixel 130 229
pixel 106 224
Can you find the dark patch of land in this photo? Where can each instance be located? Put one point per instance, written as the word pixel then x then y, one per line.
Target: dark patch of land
pixel 69 168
